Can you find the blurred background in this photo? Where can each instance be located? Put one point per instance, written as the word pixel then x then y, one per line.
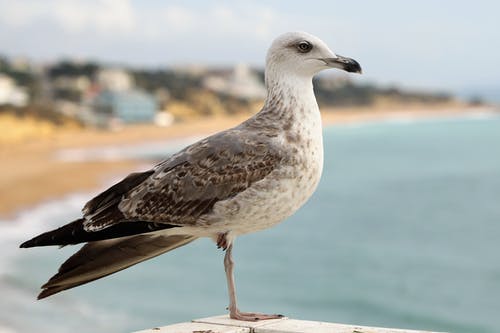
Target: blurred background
pixel 403 230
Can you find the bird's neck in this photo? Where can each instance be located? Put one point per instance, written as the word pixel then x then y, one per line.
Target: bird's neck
pixel 292 88
pixel 290 99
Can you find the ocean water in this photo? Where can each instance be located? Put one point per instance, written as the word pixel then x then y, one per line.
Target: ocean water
pixel 403 231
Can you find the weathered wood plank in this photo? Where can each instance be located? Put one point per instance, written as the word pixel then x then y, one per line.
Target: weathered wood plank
pixel 223 324
pixel 196 328
pixel 305 326
pixel 226 321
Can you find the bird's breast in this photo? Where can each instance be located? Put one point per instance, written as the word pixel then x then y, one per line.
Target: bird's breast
pixel 277 196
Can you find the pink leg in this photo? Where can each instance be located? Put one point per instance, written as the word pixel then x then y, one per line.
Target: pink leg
pixel 234 313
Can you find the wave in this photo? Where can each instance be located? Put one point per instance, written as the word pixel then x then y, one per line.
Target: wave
pixel 22 271
pixel 411 118
pixel 119 152
pixel 35 220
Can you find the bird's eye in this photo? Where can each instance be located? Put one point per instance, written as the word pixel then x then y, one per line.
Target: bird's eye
pixel 304 47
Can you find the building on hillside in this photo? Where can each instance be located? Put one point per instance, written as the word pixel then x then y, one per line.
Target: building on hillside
pixel 115 108
pixel 114 79
pixel 242 82
pixel 11 93
pixel 77 83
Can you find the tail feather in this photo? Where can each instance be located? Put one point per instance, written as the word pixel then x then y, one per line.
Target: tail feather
pixel 102 258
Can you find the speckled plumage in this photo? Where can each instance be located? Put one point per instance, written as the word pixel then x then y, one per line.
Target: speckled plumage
pixel 241 180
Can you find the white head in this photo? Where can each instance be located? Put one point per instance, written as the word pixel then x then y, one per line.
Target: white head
pixel 304 55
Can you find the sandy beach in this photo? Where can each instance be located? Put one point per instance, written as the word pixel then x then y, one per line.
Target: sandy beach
pixel 31 173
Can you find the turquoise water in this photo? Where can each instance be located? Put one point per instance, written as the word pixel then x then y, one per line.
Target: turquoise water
pixel 403 231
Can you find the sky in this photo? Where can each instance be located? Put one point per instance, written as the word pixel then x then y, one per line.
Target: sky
pixel 430 45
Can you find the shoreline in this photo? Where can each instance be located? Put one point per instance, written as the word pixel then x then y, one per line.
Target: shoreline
pixel 31 173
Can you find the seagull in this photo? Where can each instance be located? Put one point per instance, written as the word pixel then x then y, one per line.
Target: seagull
pixel 241 180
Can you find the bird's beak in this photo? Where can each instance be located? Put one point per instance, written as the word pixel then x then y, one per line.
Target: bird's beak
pixel 344 63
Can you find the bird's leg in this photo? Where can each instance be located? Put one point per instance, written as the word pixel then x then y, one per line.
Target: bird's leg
pixel 234 313
pixel 222 241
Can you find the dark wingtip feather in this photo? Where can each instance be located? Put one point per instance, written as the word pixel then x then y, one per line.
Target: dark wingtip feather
pixel 42 295
pixel 49 292
pixel 26 244
pixel 64 235
pixel 75 233
pixel 40 240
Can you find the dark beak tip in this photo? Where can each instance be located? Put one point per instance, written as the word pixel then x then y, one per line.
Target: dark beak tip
pixel 343 63
pixel 356 70
pixel 353 67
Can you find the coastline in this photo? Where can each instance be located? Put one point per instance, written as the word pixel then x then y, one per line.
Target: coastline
pixel 31 172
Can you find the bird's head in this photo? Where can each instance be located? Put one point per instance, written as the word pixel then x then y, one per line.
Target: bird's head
pixel 305 55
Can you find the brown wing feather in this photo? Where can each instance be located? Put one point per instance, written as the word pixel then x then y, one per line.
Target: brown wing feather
pixel 187 185
pixel 103 209
pixel 114 193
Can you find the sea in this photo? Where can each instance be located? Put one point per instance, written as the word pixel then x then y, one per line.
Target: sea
pixel 403 231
